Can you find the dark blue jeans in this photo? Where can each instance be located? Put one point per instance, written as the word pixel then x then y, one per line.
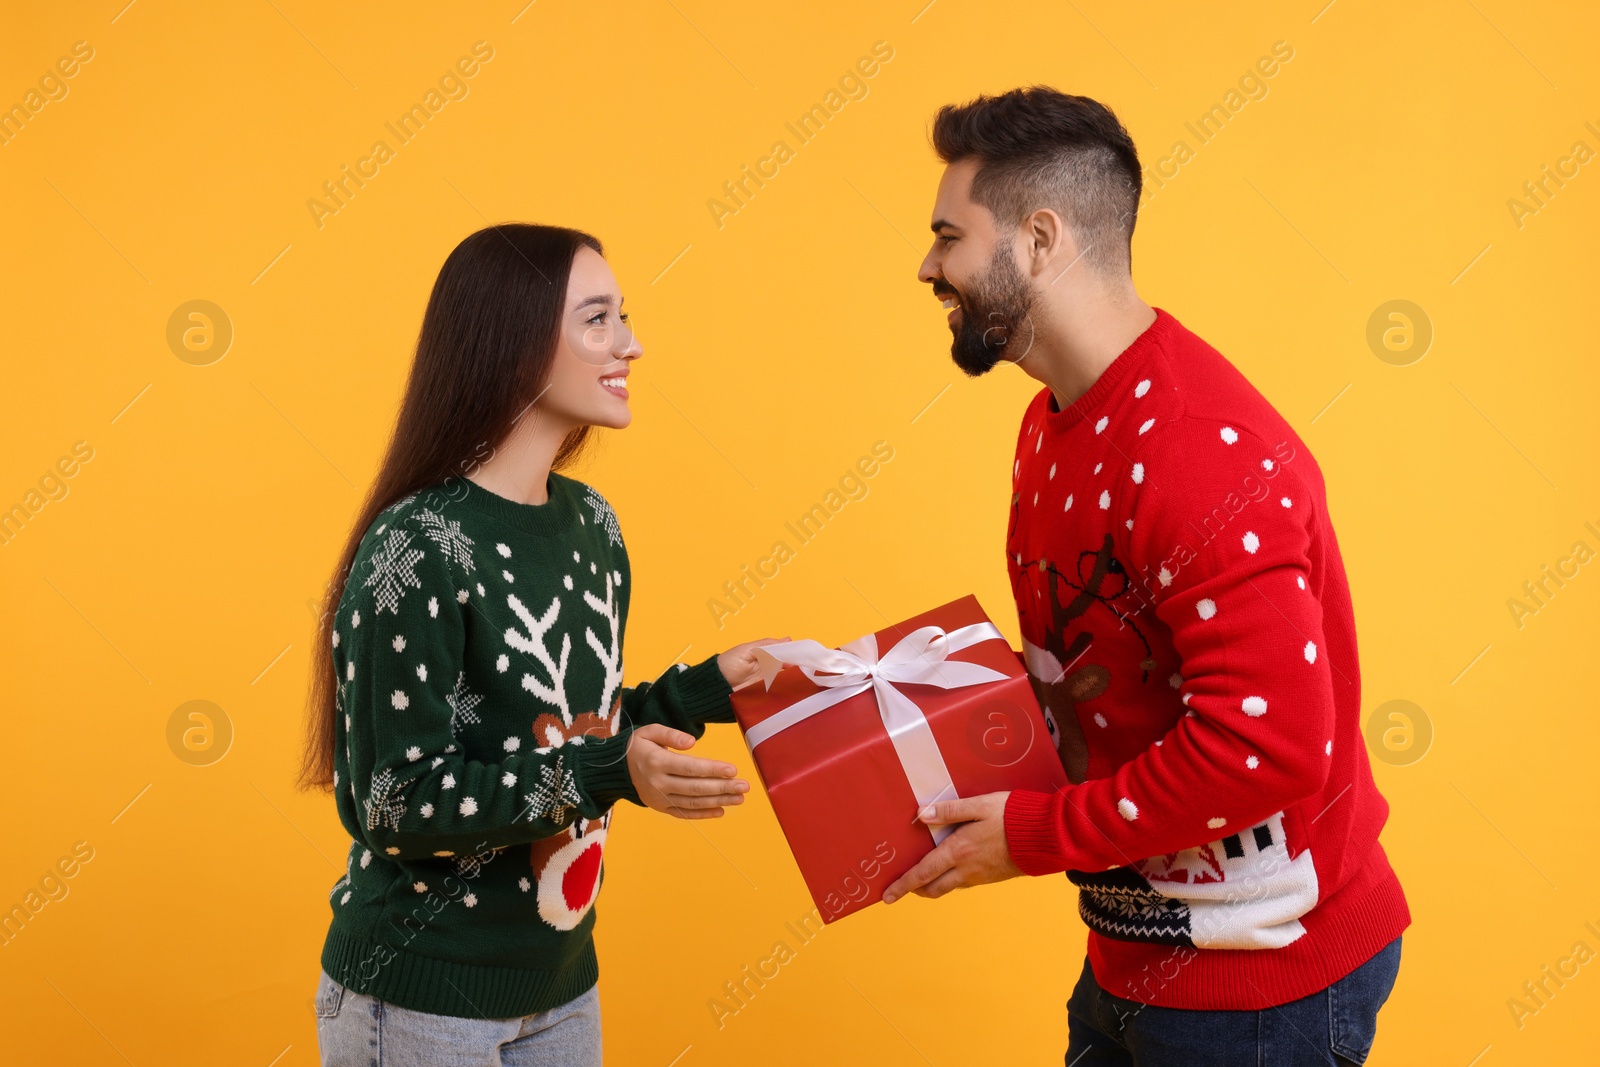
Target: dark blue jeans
pixel 1330 1028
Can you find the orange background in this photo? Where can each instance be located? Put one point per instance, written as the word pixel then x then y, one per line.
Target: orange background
pixel 182 560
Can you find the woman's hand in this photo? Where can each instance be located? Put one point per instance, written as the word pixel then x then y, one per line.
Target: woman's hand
pixel 686 786
pixel 739 664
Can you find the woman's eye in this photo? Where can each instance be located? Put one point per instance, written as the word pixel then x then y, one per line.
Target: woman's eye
pixel 623 316
pixel 598 318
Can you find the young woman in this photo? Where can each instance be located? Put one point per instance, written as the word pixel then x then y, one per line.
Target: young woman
pixel 468 712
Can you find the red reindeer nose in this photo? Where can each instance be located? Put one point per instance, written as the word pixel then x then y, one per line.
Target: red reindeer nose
pixel 578 883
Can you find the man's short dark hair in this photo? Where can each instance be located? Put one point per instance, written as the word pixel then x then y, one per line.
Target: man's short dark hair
pixel 1039 148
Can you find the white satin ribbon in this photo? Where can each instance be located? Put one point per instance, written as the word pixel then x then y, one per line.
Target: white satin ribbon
pixel 853 668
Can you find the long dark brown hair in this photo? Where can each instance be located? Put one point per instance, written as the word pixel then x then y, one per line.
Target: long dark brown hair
pixel 484 354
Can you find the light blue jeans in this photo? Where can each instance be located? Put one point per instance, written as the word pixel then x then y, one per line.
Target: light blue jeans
pixel 356 1030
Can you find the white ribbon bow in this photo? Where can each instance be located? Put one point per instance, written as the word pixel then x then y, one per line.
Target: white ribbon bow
pixel 853 668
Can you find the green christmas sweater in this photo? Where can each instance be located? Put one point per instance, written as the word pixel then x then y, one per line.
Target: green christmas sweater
pixel 481 743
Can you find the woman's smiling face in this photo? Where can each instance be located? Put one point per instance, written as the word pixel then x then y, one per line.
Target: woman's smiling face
pixel 595 352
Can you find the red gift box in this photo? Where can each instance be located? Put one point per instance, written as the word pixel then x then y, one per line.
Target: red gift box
pixel 845 791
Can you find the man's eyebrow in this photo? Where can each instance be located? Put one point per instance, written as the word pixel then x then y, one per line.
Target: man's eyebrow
pixel 941 224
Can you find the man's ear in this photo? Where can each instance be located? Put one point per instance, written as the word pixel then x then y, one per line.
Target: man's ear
pixel 1049 240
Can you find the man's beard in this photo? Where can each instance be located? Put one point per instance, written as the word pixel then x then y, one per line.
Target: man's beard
pixel 993 312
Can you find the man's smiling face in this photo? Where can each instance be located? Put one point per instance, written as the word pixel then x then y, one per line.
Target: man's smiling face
pixel 973 271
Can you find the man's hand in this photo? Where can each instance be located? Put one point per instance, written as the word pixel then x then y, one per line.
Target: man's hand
pixel 974 854
pixel 739 664
pixel 686 786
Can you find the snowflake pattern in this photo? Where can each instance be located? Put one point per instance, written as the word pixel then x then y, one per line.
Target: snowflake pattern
pixel 472 865
pixel 1131 911
pixel 394 569
pixel 556 794
pixel 603 515
pixel 462 703
pixel 446 533
pixel 385 806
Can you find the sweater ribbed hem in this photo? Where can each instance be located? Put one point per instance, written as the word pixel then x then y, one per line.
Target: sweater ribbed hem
pixel 446 987
pixel 1342 932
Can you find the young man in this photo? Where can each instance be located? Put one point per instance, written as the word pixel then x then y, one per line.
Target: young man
pixel 1186 623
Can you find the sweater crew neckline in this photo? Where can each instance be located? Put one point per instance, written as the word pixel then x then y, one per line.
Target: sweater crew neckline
pixel 559 512
pixel 1128 360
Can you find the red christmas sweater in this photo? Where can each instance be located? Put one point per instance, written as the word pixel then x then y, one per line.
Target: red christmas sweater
pixel 1187 627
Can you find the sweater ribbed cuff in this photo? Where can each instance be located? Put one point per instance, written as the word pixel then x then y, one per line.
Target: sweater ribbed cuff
pixel 703 693
pixel 1031 833
pixel 602 773
pixel 699 692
